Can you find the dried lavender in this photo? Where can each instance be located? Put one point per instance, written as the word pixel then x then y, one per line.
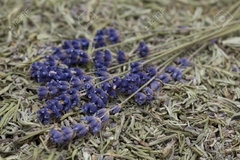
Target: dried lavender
pixel 66 84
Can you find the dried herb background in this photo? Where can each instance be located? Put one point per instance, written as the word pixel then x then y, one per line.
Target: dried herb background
pixel 197 118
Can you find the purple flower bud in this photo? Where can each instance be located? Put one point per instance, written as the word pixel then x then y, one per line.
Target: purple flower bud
pixel 134 64
pixel 183 62
pixel 55 107
pixel 56 136
pixel 132 88
pixel 53 90
pixel 94 123
pixel 66 101
pixel 86 78
pixel 63 85
pixel 96 127
pixel 155 85
pixel 51 61
pixel 80 129
pixel 140 98
pixel 84 43
pixel 61 55
pixel 105 86
pixel 75 82
pixel 87 85
pixel 112 93
pixel 103 114
pixel 98 102
pixel 170 69
pixel 235 68
pixel 84 57
pixel 143 49
pixel 99 39
pixel 112 35
pixel 44 115
pixel 102 94
pixel 76 44
pixel 115 109
pixel 177 74
pixel 107 57
pixel 74 99
pixel 121 57
pixel 165 78
pixel 78 72
pixel 66 45
pixel 151 71
pixel 149 92
pixel 116 81
pixel 89 119
pixel 42 92
pixel 89 108
pixel 143 77
pixel 67 134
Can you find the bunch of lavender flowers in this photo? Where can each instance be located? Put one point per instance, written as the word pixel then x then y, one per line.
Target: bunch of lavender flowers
pixel 66 83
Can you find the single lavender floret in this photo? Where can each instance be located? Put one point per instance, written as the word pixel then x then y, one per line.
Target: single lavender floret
pixel 89 87
pixel 151 71
pixel 66 44
pixel 170 69
pixel 89 108
pixel 74 99
pixel 84 43
pixel 97 127
pixel 63 85
pixel 164 77
pixel 177 74
pixel 112 35
pixel 94 123
pixel 235 68
pixel 112 93
pixel 155 85
pixel 143 77
pixel 183 62
pixel 121 56
pixel 115 109
pixel 136 67
pixel 80 129
pixel 149 92
pixel 55 107
pixel 56 136
pixel 98 57
pixel 107 57
pixel 76 44
pixel 65 101
pixel 99 39
pixel 83 57
pixel 80 44
pixel 103 114
pixel 102 94
pixel 67 133
pixel 140 98
pixel 116 81
pixel 98 102
pixel 76 83
pixel 51 61
pixel 143 49
pixel 42 92
pixel 44 115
